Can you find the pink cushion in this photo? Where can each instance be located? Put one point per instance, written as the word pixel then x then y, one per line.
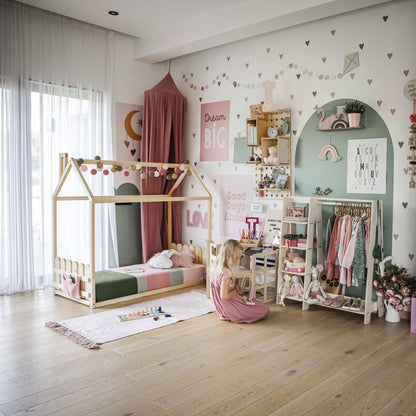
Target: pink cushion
pixel 182 259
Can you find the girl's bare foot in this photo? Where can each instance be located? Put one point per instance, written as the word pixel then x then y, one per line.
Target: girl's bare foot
pixel 223 318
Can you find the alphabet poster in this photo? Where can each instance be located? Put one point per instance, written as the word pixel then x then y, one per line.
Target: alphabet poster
pixel 367 160
pixel 215 131
pixel 236 197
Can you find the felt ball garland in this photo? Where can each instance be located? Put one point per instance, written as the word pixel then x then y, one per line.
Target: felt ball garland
pixel 161 170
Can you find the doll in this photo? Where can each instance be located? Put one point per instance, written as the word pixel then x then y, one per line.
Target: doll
pixel 272 158
pixel 284 289
pixel 297 288
pixel 315 293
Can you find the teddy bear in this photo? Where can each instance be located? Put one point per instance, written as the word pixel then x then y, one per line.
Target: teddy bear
pixel 272 158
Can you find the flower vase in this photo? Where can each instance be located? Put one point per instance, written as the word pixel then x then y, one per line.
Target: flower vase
pixel 391 314
pixel 354 119
pixel 413 316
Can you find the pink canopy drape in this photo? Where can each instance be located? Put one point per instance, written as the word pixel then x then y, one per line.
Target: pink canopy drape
pixel 163 140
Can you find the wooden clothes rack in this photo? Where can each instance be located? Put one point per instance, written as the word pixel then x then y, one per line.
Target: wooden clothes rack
pixel 358 207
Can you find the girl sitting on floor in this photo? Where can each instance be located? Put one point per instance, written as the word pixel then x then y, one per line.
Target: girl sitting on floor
pixel 224 291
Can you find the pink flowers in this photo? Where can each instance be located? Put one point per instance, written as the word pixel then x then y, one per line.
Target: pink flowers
pixel 396 286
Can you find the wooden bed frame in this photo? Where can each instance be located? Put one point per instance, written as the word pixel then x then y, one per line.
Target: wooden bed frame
pixel 86 272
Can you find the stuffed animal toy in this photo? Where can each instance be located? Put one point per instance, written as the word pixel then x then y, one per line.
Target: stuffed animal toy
pixel 284 288
pixel 272 158
pixel 161 260
pixel 297 288
pixel 315 293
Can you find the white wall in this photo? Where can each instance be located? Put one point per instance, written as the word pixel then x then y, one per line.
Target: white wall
pixel 374 32
pixel 131 78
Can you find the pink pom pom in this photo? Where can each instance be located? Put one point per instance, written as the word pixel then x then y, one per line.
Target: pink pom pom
pixel 126 173
pixel 84 168
pixel 165 166
pixel 162 172
pixel 413 118
pixel 177 170
pixel 93 171
pixel 157 174
pixel 138 166
pixel 105 172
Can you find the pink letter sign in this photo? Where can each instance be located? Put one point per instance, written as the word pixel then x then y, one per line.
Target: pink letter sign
pixel 215 131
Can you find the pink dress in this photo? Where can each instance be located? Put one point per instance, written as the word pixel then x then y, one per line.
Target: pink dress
pixel 235 309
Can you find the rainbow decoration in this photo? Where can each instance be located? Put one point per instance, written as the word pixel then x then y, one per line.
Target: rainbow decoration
pixel 331 149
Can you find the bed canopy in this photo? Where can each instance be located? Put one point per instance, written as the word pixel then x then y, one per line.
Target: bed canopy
pixel 162 140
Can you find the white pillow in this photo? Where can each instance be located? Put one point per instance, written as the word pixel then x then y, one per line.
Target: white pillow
pixel 161 260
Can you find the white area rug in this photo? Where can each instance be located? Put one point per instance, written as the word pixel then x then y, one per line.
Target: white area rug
pixel 98 328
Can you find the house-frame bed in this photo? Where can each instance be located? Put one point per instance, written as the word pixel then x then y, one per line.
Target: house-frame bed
pixel 85 273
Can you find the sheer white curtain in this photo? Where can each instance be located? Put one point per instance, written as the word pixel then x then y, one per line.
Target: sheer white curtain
pixel 55 97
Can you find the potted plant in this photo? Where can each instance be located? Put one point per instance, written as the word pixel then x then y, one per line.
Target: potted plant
pixel 354 109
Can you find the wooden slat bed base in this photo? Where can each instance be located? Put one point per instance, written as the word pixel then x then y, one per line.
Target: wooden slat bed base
pixel 85 273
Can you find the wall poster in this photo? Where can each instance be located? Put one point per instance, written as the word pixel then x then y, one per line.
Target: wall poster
pixel 215 131
pixel 236 197
pixel 367 161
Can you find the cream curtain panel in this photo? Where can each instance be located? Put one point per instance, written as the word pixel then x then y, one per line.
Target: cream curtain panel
pixel 55 96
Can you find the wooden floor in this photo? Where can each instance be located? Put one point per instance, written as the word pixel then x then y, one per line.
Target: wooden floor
pixel 317 362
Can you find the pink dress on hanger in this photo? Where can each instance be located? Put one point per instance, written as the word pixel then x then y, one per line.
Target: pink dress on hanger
pixel 235 309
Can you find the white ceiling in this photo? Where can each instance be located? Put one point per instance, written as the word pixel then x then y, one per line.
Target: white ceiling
pixel 169 28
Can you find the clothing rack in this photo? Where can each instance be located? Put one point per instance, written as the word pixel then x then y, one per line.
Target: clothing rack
pixel 359 207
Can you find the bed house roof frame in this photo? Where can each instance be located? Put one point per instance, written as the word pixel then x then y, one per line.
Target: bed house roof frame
pixel 67 165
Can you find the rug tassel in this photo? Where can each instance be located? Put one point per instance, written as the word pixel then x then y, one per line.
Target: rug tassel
pixel 73 336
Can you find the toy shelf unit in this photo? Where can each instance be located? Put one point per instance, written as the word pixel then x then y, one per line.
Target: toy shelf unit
pixel 301 234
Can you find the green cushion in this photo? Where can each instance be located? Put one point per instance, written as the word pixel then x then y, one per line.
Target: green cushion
pixel 111 285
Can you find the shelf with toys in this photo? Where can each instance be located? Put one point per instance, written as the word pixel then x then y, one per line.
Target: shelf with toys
pixel 268 134
pixel 294 273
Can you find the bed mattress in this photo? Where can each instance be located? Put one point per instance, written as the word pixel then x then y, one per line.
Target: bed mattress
pixel 140 278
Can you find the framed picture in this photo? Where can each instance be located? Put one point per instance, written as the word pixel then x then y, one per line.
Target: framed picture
pixel 296 212
pixel 256 110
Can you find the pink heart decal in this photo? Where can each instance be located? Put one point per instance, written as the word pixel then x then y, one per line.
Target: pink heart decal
pixel 406 72
pixel 228 58
pixel 215 181
pixel 281 56
pixel 300 112
pixel 369 81
pixel 247 64
pixel 332 94
pixel 411 256
pixel 392 111
pixel 324 59
pixel 207 67
pixel 259 74
pixel 333 32
pixel 396 236
pixel 379 102
pixel 389 55
pixel 268 50
pixel 292 96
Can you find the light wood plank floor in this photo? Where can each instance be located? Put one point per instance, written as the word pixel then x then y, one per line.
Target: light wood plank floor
pixel 316 362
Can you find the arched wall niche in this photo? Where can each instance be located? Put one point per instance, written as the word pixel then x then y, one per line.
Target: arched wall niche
pixel 312 172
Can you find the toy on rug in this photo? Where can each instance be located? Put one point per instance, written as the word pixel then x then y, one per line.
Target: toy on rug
pixel 297 288
pixel 315 293
pixel 152 312
pixel 284 289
